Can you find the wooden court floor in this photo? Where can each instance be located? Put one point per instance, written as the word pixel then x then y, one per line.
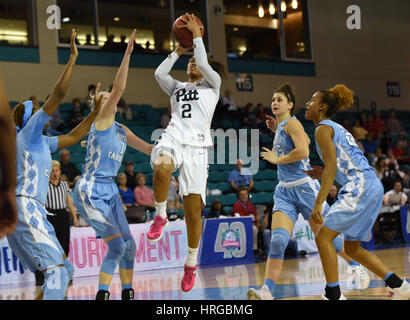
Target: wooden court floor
pixel 301 279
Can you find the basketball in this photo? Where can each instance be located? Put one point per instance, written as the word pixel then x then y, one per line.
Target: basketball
pixel 183 35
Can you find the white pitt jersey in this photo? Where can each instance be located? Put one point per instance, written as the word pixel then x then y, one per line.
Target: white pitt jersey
pixel 192 104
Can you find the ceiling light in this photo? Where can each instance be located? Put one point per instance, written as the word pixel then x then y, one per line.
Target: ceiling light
pixel 295 4
pixel 283 6
pixel 235 28
pixel 261 12
pixel 248 6
pixel 66 19
pixel 271 9
pixel 116 18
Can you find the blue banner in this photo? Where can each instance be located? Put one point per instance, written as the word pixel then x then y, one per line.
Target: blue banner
pixel 227 241
pixel 405 222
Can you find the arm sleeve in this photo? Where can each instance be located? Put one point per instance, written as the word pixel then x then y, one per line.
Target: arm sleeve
pixel 52 143
pixel 165 81
pixel 210 75
pixel 33 130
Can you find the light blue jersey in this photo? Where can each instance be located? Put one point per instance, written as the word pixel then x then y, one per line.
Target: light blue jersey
pixel 360 197
pixel 283 145
pixel 351 162
pixel 95 194
pixel 34 158
pixel 105 150
pixel 296 192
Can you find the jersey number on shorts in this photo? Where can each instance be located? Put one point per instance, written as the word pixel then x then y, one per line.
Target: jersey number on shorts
pixel 186 113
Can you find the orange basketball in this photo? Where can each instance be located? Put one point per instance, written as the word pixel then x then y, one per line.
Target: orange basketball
pixel 183 35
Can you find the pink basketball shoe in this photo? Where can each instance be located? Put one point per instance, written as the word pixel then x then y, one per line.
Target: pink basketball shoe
pixel 188 280
pixel 155 230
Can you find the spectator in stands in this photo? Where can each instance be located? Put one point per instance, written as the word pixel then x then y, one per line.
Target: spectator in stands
pixel 88 40
pixel 240 177
pixel 76 115
pixel 332 197
pixel 393 124
pixel 131 175
pixel 379 154
pixel 56 126
pixel 109 45
pixel 358 142
pixel 126 193
pixel 243 207
pixel 390 176
pixel 378 125
pixel 386 141
pixel 122 106
pixel 346 125
pixel 380 166
pixel 229 105
pixel 358 131
pixel 249 117
pixel 217 211
pixel 408 148
pixel 395 196
pixel 88 99
pixel 261 118
pixel 391 159
pixel 399 150
pixel 166 117
pixel 369 145
pixel 68 168
pixel 144 196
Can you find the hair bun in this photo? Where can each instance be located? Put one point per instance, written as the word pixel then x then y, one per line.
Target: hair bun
pixel 344 95
pixel 286 88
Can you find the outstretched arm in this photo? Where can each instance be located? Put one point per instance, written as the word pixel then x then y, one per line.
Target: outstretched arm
pixel 83 127
pixel 137 143
pixel 107 115
pixel 61 87
pixel 8 207
pixel 201 59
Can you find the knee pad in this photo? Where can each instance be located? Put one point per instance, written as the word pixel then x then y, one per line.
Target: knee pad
pixel 338 243
pixel 70 268
pixel 116 249
pixel 127 260
pixel 55 284
pixel 279 241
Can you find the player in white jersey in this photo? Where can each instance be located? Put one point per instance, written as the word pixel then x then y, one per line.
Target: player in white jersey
pixel 359 200
pixel 295 193
pixel 184 143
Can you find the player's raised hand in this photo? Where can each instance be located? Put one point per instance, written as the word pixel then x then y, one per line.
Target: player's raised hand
pixel 271 123
pixel 191 24
pixel 131 41
pixel 269 155
pixel 315 173
pixel 180 49
pixel 73 46
pixel 97 99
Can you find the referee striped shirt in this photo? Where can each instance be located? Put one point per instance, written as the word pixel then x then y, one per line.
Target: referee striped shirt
pixel 57 196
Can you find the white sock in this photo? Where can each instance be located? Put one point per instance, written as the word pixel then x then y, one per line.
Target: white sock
pixel 161 209
pixel 191 259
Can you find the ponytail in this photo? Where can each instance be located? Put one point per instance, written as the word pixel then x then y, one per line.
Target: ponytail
pixel 338 97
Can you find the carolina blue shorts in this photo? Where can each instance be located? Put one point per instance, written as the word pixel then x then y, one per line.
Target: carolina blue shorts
pixel 99 203
pixel 292 200
pixel 357 207
pixel 34 240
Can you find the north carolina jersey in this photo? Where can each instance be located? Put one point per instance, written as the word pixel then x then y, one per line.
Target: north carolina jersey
pixel 105 150
pixel 34 158
pixel 351 162
pixel 283 145
pixel 192 104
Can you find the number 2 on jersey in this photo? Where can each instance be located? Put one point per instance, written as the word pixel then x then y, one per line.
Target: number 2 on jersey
pixel 186 113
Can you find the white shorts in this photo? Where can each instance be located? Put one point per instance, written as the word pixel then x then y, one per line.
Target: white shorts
pixel 192 162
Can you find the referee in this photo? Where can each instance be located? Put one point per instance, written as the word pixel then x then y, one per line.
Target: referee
pixel 58 201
